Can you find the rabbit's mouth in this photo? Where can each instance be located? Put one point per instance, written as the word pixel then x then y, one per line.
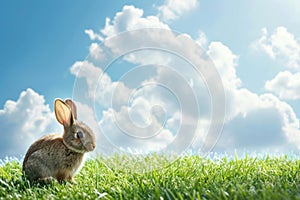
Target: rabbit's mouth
pixel 89 146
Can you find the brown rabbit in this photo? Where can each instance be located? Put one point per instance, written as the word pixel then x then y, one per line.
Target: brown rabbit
pixel 59 156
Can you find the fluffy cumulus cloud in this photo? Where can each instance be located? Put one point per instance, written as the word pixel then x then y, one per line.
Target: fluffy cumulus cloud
pixel 23 121
pixel 226 63
pixel 173 9
pixel 253 122
pixel 100 87
pixel 280 45
pixel 96 52
pixel 259 123
pixel 201 39
pixel 286 85
pixel 93 35
pixel 284 47
pixel 130 18
pixel 133 127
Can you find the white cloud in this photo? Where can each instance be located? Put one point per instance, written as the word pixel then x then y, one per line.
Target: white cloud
pixel 83 69
pixel 286 85
pixel 226 62
pixel 100 87
pixel 96 52
pixel 201 39
pixel 247 108
pixel 280 45
pixel 259 122
pixel 93 35
pixel 23 121
pixel 130 18
pixel 133 127
pixel 253 122
pixel 173 9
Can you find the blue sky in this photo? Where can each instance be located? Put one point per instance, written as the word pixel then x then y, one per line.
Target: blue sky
pixel 255 47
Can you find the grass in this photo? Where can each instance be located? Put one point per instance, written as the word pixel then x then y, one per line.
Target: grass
pixel 189 177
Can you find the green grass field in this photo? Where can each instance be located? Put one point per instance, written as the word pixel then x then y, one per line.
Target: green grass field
pixel 189 177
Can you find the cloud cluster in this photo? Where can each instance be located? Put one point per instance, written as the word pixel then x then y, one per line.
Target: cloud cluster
pixel 100 87
pixel 130 18
pixel 285 84
pixel 284 47
pixel 253 122
pixel 173 9
pixel 226 63
pixel 23 121
pixel 281 45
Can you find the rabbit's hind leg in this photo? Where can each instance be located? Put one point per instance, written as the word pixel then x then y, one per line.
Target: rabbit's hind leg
pixel 35 170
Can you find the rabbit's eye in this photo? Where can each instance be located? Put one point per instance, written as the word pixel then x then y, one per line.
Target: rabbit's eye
pixel 79 135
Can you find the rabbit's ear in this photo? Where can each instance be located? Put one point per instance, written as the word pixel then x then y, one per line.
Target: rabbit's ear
pixel 73 107
pixel 63 113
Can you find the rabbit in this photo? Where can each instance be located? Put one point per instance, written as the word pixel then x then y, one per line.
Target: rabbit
pixel 55 156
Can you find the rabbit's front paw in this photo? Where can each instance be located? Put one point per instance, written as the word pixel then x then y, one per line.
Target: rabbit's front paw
pixel 47 180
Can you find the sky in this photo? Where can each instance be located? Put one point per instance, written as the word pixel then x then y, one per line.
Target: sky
pixel 130 67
